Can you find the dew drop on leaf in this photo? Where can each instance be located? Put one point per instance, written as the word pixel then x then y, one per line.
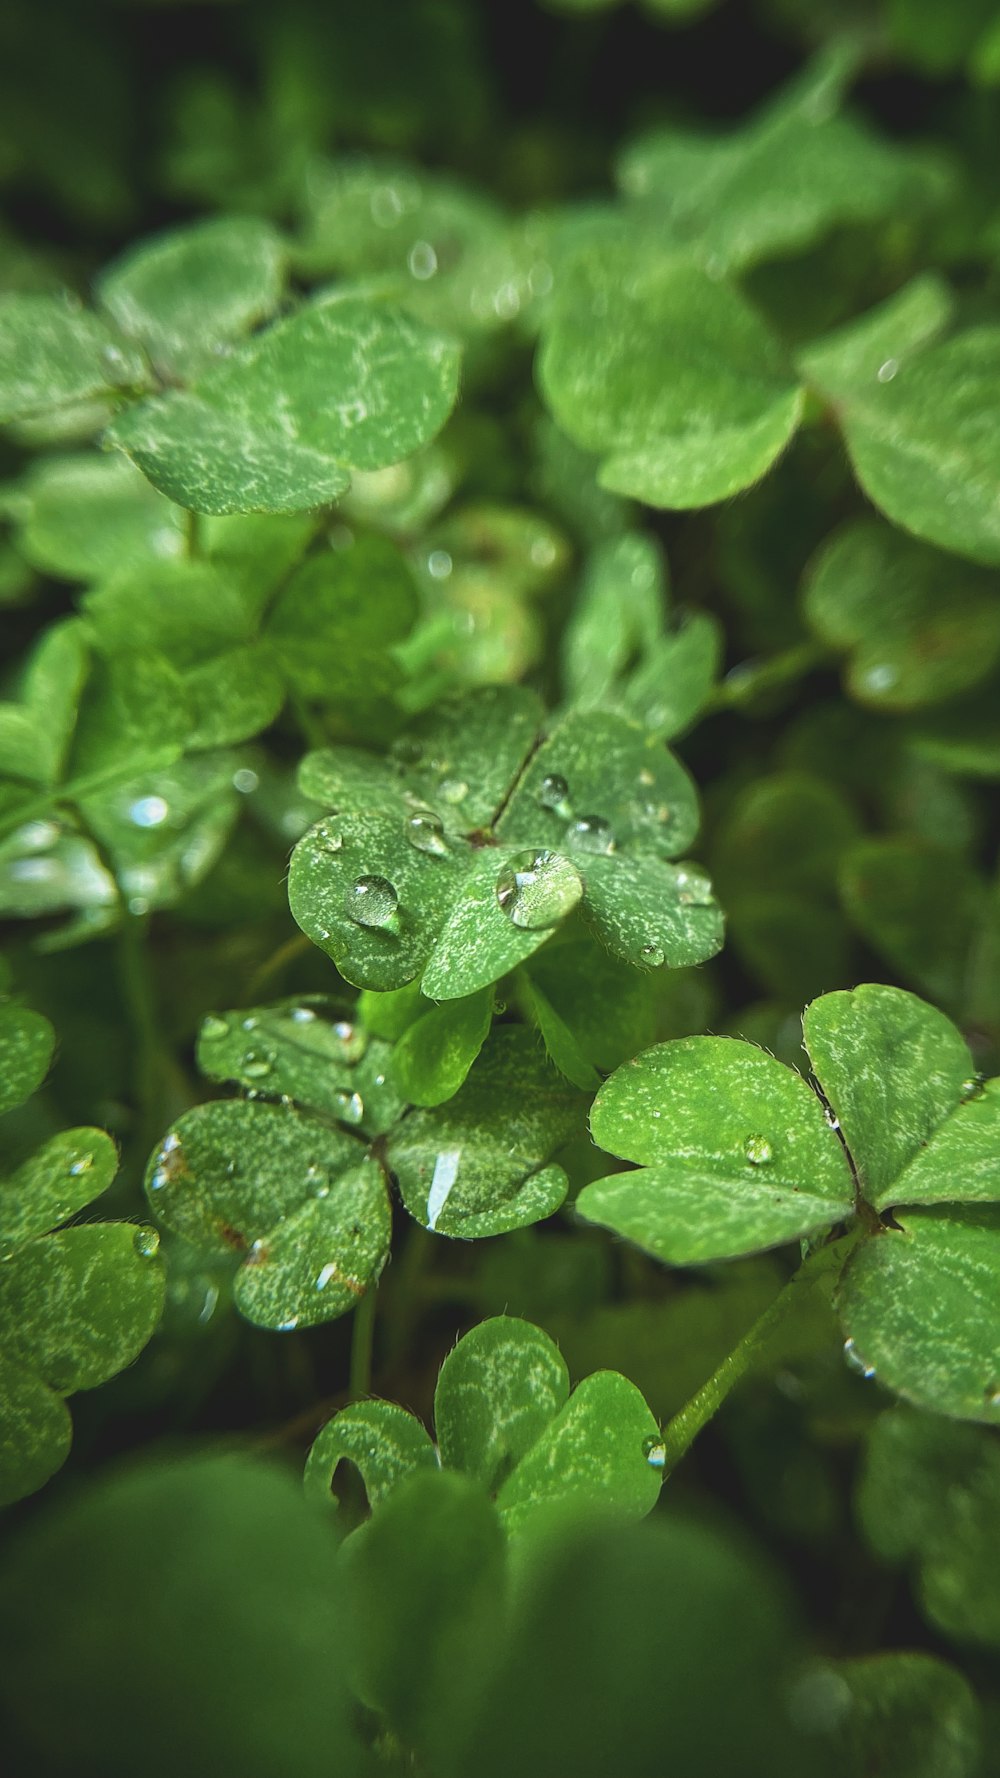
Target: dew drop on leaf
pixel 213 1028
pixel 651 956
pixel 146 1242
pixel 553 794
pixel 350 1107
pixel 454 790
pixel 288 1326
pixel 256 1067
pixel 694 888
pixel 538 889
pixel 758 1151
pixel 81 1163
pixel 655 1452
pixel 972 1088
pixel 406 751
pixel 856 1362
pixel 425 832
pixel 591 833
pixel 148 811
pixel 372 901
pixel 352 1039
pixel 302 1015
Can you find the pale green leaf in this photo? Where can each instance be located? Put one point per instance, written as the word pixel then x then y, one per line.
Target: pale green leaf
pixel 592 1455
pixel 303 1049
pixel 54 354
pixel 68 1172
pixel 496 1393
pixel 79 1305
pixel 27 1041
pixel 434 1055
pixel 88 516
pixel 385 1443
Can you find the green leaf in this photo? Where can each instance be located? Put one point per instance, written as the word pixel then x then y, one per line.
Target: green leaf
pixel 434 1055
pixel 920 1310
pixel 385 1443
pixel 778 183
pixel 618 613
pixel 27 1041
pixel 303 1049
pixel 961 1161
pixel 88 516
pixel 929 1495
pixel 35 1432
pixel 917 626
pixel 253 437
pixel 477 1165
pixel 185 294
pixel 297 1198
pixel 595 812
pixel 54 354
pixel 919 418
pixel 893 1069
pixel 669 375
pixel 235 1660
pixel 68 1172
pixel 76 1307
pixel 592 1455
pixel 919 905
pixel 736 1152
pixel 427 1581
pixel 561 1045
pixel 907 1716
pixel 497 1391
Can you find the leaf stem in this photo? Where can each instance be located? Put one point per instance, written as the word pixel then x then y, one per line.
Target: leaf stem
pixel 681 1431
pixel 362 1344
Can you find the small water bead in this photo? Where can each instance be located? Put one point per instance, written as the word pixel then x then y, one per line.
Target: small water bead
pixel 148 811
pixel 245 781
pixel 591 833
pixel 454 790
pixel 81 1163
pixel 694 888
pixel 288 1326
pixel 257 1067
pixel 422 261
pixel 652 956
pixel 213 1028
pixel 439 564
pixel 758 1151
pixel 250 1024
pixel 372 901
pixel 537 889
pixel 856 1362
pixel 406 751
pixel 887 371
pixel 114 360
pixel 326 1273
pixel 350 1106
pixel 330 842
pixel 973 1088
pixel 353 1041
pixel 655 1452
pixel 146 1242
pixel 553 793
pixel 425 832
pixel 302 1015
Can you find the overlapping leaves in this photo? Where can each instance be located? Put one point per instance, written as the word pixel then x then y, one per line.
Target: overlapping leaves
pixel 456 859
pixel 736 1154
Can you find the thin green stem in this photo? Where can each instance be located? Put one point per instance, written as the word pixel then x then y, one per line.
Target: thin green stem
pixel 90 785
pixel 272 966
pixel 681 1432
pixel 362 1346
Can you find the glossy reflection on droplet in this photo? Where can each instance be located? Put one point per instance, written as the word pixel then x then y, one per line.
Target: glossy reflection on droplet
pixel 694 888
pixel 651 956
pixel 758 1151
pixel 425 832
pixel 856 1362
pixel 553 793
pixel 213 1027
pixel 591 833
pixel 146 1242
pixel 350 1106
pixel 372 901
pixel 538 889
pixel 655 1451
pixel 256 1066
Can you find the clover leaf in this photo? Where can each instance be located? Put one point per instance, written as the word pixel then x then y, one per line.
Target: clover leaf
pixel 55 355
pixel 910 1146
pixel 453 861
pixel 76 1305
pixel 505 1416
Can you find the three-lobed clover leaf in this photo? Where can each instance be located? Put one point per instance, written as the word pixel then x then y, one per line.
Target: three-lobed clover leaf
pixel 504 1415
pixel 736 1154
pixel 277 426
pixel 77 1304
pixel 455 859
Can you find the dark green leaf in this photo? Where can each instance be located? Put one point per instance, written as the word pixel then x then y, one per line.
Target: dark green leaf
pixel 434 1055
pixel 497 1391
pixel 35 1432
pixel 78 1306
pixel 384 1442
pixel 68 1172
pixel 54 354
pixel 27 1041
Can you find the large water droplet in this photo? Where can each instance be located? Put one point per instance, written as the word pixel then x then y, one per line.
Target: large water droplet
pixel 537 889
pixel 694 888
pixel 758 1151
pixel 655 1451
pixel 591 833
pixel 372 901
pixel 350 1106
pixel 212 1028
pixel 255 1066
pixel 146 1242
pixel 972 1088
pixel 425 831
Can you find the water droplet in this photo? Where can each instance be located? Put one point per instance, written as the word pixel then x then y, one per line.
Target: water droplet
pixel 330 842
pixel 138 904
pixel 82 1163
pixel 553 793
pixel 856 1362
pixel 406 751
pixel 507 301
pixel 694 888
pixel 303 1015
pixel 250 1024
pixel 148 811
pixel 425 831
pixel 245 781
pixel 439 564
pixel 422 261
pixel 652 956
pixel 386 206
pixel 537 889
pixel 831 1116
pixel 256 1067
pixel 372 901
pixel 146 1242
pixel 6 1253
pixel 352 1039
pixel 758 1151
pixel 972 1088
pixel 350 1107
pixel 212 1027
pixel 454 790
pixel 655 1451
pixel 326 1273
pixel 881 677
pixel 591 833
pixel 288 1326
pixel 887 371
